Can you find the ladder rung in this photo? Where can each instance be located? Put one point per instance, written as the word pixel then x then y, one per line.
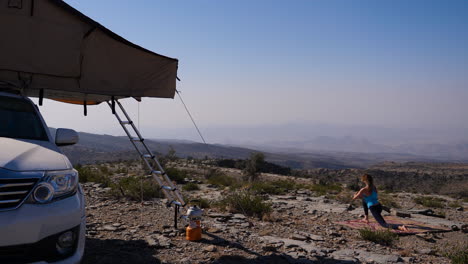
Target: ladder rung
pixel 169 188
pixel 157 172
pixel 176 203
pixel 148 156
pixel 126 122
pixel 136 139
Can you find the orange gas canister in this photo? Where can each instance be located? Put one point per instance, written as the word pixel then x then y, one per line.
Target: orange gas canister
pixel 194 230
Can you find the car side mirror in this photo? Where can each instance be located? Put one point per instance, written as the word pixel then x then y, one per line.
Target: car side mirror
pixel 65 137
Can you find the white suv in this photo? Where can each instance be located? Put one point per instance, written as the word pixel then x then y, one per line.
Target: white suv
pixel 42 207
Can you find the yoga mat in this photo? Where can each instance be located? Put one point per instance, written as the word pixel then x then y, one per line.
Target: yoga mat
pixel 414 227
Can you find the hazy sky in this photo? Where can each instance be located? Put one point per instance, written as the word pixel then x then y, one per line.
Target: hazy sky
pixel 253 63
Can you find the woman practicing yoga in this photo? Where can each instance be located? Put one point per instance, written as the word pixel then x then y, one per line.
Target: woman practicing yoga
pixel 370 202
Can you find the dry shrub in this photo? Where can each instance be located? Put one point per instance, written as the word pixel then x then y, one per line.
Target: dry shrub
pixel 191 186
pixel 458 254
pixel 136 188
pixel 429 201
pixel 383 237
pixel 246 203
pixel 323 188
pixel 220 179
pixel 273 187
pixel 388 200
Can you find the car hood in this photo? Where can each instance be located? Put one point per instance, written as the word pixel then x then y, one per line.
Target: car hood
pixel 31 155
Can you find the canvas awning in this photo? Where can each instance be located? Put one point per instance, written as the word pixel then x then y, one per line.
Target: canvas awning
pixel 47 47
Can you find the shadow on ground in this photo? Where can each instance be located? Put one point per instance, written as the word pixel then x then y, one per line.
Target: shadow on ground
pixel 219 241
pixel 114 251
pixel 270 259
pixel 277 259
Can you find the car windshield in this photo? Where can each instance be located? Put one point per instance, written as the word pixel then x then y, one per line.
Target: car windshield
pixel 18 119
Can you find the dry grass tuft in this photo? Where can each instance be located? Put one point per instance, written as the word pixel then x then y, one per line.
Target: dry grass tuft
pixel 384 237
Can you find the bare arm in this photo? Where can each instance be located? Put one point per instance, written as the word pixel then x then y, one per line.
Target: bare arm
pixel 358 194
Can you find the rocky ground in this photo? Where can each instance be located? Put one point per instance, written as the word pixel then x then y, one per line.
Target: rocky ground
pixel 300 229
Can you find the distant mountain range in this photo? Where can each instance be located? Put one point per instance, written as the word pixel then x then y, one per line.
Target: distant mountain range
pixel 449 151
pixel 439 142
pixel 94 148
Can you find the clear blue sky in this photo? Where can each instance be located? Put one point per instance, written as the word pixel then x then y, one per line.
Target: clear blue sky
pixel 249 63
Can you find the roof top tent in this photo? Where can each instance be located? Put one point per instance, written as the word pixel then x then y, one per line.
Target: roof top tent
pixel 51 50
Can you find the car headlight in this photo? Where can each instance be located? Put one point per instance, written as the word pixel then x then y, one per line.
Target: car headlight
pixel 55 184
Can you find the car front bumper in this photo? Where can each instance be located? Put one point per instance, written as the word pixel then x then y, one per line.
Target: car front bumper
pixel 32 227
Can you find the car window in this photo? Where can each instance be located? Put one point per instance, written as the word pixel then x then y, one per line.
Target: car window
pixel 18 119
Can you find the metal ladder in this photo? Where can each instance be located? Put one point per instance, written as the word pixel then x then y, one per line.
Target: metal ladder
pixel 167 186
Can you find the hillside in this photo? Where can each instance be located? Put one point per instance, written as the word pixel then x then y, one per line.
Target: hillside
pixel 94 148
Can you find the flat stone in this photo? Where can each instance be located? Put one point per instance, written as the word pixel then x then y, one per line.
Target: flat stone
pixel 383 259
pixel 247 224
pixel 209 248
pixel 239 216
pixel 109 228
pixel 214 230
pixel 216 215
pixel 349 254
pixel 425 251
pixel 151 242
pixel 299 237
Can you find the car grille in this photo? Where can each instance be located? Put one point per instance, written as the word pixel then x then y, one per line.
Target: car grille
pixel 14 191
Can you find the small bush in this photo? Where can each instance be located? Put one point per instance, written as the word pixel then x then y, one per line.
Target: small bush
pixel 384 237
pixel 273 187
pixel 458 254
pixel 191 187
pixel 429 201
pixel 388 200
pixel 200 202
pixel 87 174
pixel 344 196
pixel 253 166
pixel 322 189
pixel 122 170
pixel 218 178
pixel 246 203
pixel 104 169
pixel 455 204
pixel 133 188
pixel 355 185
pixel 176 175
